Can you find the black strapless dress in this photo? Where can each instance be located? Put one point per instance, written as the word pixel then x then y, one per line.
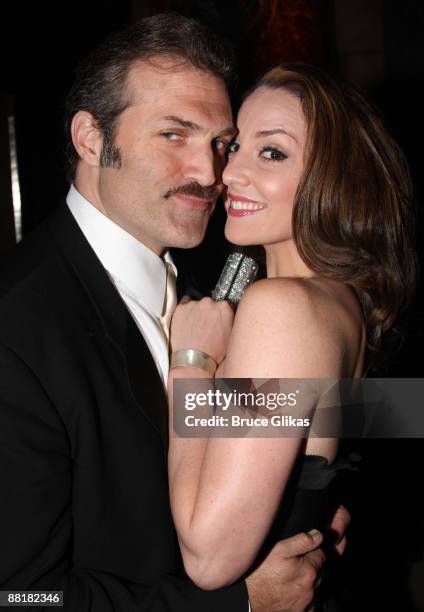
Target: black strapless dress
pixel 310 499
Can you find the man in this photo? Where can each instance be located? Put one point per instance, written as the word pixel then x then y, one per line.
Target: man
pixel 83 351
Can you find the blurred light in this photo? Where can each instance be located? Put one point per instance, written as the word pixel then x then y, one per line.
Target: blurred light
pixel 16 191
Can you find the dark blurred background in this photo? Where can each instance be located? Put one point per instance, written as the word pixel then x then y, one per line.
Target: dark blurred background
pixel 374 43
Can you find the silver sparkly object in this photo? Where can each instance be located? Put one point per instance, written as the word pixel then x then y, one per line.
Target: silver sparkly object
pixel 238 273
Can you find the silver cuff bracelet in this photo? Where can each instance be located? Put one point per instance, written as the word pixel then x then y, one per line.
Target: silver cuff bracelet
pixel 195 359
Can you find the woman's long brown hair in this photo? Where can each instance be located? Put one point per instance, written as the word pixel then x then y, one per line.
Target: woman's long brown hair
pixel 353 217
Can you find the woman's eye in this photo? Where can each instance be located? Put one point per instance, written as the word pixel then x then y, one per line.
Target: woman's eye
pixel 272 154
pixel 170 135
pixel 233 147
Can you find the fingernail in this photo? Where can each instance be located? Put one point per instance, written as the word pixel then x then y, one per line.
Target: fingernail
pixel 314 533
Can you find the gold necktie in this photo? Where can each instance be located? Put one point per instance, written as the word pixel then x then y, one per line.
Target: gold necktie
pixel 170 301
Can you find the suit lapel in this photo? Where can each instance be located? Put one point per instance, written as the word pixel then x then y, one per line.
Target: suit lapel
pixel 145 381
pixel 118 325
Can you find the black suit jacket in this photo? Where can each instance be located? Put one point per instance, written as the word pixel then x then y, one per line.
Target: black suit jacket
pixel 84 504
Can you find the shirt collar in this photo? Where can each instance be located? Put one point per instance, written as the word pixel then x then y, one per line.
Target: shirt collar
pixel 127 260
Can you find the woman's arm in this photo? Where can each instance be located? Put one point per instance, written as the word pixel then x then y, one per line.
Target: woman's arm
pixel 225 492
pixel 206 326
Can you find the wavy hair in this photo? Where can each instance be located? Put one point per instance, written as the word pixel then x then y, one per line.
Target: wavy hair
pixel 353 216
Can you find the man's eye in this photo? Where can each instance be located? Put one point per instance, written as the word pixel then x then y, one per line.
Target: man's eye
pixel 220 145
pixel 170 135
pixel 233 147
pixel 272 154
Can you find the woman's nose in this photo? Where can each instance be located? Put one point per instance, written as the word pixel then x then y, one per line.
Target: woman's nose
pixel 236 172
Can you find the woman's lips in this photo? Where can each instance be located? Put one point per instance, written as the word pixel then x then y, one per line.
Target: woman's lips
pixel 232 212
pixel 240 206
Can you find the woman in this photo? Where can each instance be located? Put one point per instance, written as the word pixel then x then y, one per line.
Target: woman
pixel 313 177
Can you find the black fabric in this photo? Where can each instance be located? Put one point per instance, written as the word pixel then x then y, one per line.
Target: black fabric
pixel 83 477
pixel 311 496
pixel 310 501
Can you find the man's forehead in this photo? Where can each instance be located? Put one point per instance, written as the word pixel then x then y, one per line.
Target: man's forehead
pixel 159 89
pixel 165 82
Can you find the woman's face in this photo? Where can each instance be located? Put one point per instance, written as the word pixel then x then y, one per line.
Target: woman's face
pixel 264 168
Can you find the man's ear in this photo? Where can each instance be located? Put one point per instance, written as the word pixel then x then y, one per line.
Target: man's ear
pixel 87 137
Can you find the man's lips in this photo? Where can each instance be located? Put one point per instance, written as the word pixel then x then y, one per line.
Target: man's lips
pixel 241 206
pixel 192 201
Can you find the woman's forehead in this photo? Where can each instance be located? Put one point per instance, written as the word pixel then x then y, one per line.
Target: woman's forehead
pixel 267 109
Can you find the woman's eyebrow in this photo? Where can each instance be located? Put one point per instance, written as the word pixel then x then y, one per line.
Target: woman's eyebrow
pixel 263 133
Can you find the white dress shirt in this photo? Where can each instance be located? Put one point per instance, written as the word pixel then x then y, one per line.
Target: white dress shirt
pixel 137 273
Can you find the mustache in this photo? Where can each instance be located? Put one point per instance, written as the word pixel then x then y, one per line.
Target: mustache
pixel 210 192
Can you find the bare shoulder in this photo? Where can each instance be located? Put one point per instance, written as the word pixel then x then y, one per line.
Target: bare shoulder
pixel 309 301
pixel 284 294
pixel 299 327
pixel 280 301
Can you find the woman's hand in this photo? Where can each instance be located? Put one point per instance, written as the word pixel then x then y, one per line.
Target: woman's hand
pixel 204 325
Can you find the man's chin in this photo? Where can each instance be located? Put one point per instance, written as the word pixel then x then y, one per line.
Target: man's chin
pixel 182 242
pixel 188 236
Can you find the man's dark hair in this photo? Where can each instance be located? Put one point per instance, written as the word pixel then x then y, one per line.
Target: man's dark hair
pixel 101 79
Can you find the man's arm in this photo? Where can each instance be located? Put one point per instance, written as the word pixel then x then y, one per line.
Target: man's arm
pixel 36 515
pixel 285 580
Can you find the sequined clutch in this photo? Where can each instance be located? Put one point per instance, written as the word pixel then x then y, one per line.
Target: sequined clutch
pixel 238 273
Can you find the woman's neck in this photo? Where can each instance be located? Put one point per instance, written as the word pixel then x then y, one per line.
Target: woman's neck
pixel 283 260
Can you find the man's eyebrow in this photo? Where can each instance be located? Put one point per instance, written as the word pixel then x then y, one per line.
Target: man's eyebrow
pixel 182 122
pixel 263 133
pixel 190 125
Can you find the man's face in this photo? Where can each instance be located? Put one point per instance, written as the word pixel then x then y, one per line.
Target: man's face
pixel 172 141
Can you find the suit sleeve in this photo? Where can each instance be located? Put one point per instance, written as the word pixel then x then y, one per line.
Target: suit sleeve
pixel 36 515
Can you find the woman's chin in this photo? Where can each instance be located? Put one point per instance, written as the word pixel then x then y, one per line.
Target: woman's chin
pixel 237 237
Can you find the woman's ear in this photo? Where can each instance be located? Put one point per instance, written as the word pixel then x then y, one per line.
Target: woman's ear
pixel 87 137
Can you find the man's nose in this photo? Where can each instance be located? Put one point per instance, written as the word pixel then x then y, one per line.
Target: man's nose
pixel 202 168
